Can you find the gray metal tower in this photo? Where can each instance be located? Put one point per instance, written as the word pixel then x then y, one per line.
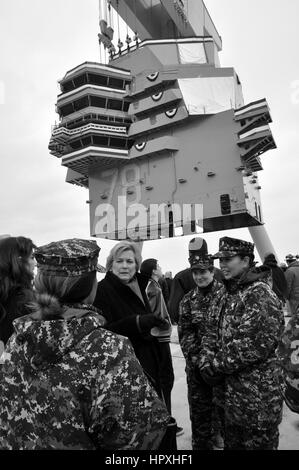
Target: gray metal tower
pixel 164 126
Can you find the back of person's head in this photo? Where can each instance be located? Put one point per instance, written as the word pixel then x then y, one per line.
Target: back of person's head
pixel 290 259
pixel 66 276
pixel 148 266
pixel 14 272
pixel 270 259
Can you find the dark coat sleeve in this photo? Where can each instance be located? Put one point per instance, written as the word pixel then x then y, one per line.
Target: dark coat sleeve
pixel 126 326
pixel 165 290
pixel 176 295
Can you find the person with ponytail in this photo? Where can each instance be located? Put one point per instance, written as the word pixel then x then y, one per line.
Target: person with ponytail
pixel 65 381
pixel 17 265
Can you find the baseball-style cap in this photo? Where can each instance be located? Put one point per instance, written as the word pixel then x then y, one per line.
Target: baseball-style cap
pixel 200 262
pixel 230 247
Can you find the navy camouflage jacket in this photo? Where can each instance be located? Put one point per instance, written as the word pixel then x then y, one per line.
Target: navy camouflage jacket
pixel 289 355
pixel 67 383
pixel 249 322
pixel 193 321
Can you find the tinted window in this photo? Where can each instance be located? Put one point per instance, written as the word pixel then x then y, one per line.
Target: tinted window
pixel 67 109
pixel 116 83
pixel 86 141
pixel 115 104
pixel 100 140
pixel 97 79
pixel 117 143
pixel 80 81
pixel 75 145
pixel 98 101
pixel 81 103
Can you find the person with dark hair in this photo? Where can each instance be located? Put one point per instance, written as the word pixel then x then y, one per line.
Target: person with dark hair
pixel 183 282
pixel 292 278
pixel 17 265
pixel 152 271
pixel 203 397
pixel 249 324
pixel 65 381
pixel 278 277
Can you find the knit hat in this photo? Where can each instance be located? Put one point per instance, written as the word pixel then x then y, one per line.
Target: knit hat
pixel 72 257
pixel 148 266
pixel 199 245
pixel 290 258
pixel 230 247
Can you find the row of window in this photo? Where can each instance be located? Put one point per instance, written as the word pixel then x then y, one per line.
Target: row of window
pixel 89 78
pixel 95 101
pixel 101 141
pixel 97 119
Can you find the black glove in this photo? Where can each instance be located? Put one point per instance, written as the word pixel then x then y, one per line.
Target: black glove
pixel 147 322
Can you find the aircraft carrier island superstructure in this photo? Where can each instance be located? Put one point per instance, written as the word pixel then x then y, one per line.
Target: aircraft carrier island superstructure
pixel 162 122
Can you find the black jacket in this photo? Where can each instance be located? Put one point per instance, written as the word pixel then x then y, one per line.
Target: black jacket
pixel 279 280
pixel 183 283
pixel 15 307
pixel 120 306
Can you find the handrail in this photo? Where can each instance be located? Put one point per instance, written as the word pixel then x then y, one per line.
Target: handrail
pixel 100 127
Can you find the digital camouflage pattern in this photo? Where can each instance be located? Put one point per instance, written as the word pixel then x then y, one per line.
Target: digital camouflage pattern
pixel 200 262
pixel 250 327
pixel 70 384
pixel 72 257
pixel 193 322
pixel 241 438
pixel 229 247
pixel 289 355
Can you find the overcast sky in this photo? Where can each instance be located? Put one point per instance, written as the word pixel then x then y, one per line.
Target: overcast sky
pixel 41 40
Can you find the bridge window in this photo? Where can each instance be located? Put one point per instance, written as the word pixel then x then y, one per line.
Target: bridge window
pixel 98 80
pixel 98 101
pixel 116 105
pixel 100 140
pixel 116 83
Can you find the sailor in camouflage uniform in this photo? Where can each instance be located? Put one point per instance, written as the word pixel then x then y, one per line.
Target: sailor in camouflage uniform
pixel 249 330
pixel 194 310
pixel 66 382
pixel 289 356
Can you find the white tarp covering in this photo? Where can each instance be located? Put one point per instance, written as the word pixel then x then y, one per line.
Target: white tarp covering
pixel 192 53
pixel 208 95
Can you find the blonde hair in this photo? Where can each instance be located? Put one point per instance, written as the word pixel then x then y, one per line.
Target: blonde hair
pixel 119 249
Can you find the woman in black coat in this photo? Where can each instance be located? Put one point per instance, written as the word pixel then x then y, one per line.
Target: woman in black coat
pixel 122 299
